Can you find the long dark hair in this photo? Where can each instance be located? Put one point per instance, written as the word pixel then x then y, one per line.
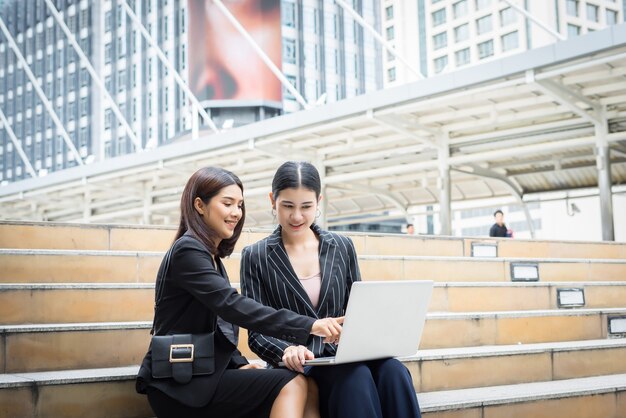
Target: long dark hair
pixel 205 184
pixel 294 174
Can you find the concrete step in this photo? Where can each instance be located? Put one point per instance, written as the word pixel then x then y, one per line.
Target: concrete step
pixel 111 302
pixel 48 235
pixel 110 393
pixel 94 393
pixel 589 397
pixel 75 302
pixel 443 330
pixel 459 368
pixel 62 266
pixel 44 347
pixel 29 348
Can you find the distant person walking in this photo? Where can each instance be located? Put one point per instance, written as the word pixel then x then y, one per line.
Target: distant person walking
pixel 499 229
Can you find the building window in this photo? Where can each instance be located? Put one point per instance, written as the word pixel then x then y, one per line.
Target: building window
pixel 107 83
pixel 390 33
pixel 592 12
pixel 121 81
pixel 573 30
pixel 572 7
pixel 288 10
pixel 389 12
pixel 461 33
pixel 508 16
pixel 481 4
pixel 108 21
pixel 289 51
pixel 390 56
pixel 440 40
pixel 121 46
pixel 391 74
pixel 441 63
pixel 107 53
pixel 460 9
pixel 485 49
pixel 611 17
pixel 108 119
pixel 439 17
pixel 510 41
pixel 120 16
pixel 462 57
pixel 484 25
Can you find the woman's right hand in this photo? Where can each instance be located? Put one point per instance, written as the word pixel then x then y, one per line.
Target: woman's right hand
pixel 294 357
pixel 329 328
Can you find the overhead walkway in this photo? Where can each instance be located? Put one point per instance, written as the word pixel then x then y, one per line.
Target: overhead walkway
pixel 552 118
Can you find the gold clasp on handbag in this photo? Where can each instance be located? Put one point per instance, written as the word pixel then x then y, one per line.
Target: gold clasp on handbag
pixel 186 359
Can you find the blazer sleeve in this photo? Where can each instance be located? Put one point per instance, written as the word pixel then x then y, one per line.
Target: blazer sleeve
pixel 266 347
pixel 353 274
pixel 194 272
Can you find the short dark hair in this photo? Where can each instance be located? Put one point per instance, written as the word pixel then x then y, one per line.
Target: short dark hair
pixel 408 225
pixel 294 174
pixel 205 184
pixel 498 211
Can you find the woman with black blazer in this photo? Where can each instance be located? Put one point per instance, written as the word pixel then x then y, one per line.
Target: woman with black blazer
pixel 196 298
pixel 310 271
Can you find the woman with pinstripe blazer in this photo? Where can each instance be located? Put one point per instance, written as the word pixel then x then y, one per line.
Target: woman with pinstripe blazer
pixel 310 271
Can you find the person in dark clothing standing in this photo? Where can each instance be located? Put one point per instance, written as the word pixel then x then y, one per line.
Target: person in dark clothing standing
pixel 499 229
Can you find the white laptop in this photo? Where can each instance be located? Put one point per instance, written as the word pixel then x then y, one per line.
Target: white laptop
pixel 383 319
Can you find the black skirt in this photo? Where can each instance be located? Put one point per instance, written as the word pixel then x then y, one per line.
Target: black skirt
pixel 248 393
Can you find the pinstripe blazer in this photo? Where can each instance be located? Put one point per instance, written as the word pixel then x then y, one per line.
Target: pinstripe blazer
pixel 268 277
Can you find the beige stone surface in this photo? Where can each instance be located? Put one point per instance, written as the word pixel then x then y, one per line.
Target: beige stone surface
pixel 462 413
pixel 484 371
pixel 538 329
pixel 441 333
pixel 477 299
pixel 16 402
pixel 93 400
pixel 596 406
pixel 65 237
pixel 454 271
pixel 67 268
pixel 136 239
pixel 38 351
pixel 76 305
pixel 563 272
pixel 572 364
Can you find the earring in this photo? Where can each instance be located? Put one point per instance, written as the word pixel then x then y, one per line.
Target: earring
pixel 318 214
pixel 274 213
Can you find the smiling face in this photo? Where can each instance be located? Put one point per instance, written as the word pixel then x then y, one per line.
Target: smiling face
pixel 295 209
pixel 223 212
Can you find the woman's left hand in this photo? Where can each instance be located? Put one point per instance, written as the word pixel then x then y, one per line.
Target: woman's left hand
pixel 251 366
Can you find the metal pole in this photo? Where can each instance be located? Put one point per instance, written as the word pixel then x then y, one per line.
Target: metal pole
pixel 40 92
pixel 603 165
pixel 233 20
pixel 377 35
pixel 170 67
pixel 536 21
pixel 16 144
pixel 83 58
pixel 445 209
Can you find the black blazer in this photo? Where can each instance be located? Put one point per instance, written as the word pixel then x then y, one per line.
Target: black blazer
pixel 268 277
pixel 195 294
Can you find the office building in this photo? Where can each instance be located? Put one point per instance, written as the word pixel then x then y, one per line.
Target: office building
pixel 441 35
pixel 325 55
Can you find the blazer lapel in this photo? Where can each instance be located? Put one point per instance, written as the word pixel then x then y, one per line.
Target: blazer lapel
pixel 328 264
pixel 279 261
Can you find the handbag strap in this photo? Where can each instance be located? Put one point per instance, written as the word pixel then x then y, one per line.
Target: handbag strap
pixel 160 284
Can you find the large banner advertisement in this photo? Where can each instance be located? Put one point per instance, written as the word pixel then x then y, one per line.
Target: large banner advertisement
pixel 222 64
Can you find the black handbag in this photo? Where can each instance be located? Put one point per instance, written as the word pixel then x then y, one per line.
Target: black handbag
pixel 180 356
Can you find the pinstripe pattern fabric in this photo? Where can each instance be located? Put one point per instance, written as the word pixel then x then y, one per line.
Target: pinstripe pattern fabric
pixel 268 277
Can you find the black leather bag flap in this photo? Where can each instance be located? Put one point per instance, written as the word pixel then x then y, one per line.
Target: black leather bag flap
pixel 182 356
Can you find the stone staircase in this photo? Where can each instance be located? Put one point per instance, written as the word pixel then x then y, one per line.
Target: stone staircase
pixel 76 305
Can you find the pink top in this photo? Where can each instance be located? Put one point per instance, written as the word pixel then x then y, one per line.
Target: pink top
pixel 312 285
